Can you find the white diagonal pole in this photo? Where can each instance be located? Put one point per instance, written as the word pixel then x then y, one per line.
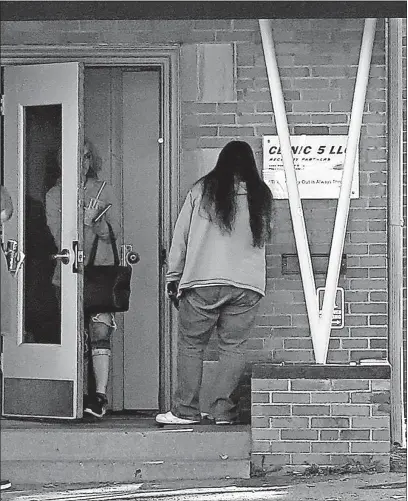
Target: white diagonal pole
pixel 343 205
pixel 295 205
pixel 320 327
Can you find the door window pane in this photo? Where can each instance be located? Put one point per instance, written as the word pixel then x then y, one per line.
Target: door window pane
pixel 42 228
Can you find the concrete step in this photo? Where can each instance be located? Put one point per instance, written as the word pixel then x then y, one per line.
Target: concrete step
pixel 72 455
pixel 71 472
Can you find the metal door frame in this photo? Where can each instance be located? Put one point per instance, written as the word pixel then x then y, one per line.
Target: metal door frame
pixel 166 57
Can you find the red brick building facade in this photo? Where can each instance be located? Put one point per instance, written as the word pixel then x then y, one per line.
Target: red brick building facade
pixel 318 60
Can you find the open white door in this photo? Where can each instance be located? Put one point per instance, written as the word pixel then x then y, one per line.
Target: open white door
pixel 42 373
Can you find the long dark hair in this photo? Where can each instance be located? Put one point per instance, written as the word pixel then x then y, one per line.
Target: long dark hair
pixel 236 162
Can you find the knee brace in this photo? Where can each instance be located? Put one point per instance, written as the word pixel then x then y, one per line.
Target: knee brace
pixel 96 352
pixel 101 327
pixel 100 344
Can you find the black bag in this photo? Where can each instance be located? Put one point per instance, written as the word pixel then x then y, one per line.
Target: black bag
pixel 106 288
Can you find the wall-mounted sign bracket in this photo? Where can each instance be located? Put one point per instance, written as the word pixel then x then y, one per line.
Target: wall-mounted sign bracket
pixel 320 326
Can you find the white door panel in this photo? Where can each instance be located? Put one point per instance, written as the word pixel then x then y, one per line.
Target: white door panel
pixel 43 111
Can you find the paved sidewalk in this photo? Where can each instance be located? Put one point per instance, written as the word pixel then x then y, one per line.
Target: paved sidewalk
pixel 356 487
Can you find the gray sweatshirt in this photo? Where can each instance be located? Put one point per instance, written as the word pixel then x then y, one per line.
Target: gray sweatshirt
pixel 201 254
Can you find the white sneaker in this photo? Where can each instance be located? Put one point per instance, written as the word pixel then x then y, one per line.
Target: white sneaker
pixel 170 418
pixel 5 484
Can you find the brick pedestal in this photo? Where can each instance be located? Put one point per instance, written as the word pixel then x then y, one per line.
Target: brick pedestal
pixel 320 414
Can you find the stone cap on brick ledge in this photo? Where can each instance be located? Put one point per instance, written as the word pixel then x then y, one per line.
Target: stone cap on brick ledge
pixel 319 371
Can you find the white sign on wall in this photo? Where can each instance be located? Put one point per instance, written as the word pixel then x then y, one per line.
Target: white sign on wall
pixel 318 162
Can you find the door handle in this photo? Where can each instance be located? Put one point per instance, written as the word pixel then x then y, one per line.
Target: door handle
pixel 132 257
pixel 63 256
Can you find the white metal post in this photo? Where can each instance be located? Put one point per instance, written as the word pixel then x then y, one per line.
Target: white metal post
pixel 343 205
pixel 320 327
pixel 295 205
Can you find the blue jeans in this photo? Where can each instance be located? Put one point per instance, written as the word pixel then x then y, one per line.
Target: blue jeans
pixel 231 311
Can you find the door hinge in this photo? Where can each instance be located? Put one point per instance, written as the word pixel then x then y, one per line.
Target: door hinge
pixel 2 105
pixel 163 257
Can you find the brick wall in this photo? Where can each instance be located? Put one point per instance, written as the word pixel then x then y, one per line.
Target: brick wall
pixel 318 63
pixel 324 419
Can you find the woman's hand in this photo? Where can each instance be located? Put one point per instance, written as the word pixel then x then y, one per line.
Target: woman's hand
pixel 90 214
pixel 172 290
pixel 101 229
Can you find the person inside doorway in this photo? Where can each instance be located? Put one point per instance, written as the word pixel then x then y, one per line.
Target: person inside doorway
pixel 216 277
pixel 5 215
pixel 97 196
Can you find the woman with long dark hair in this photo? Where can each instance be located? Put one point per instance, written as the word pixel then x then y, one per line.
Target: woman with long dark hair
pixel 216 277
